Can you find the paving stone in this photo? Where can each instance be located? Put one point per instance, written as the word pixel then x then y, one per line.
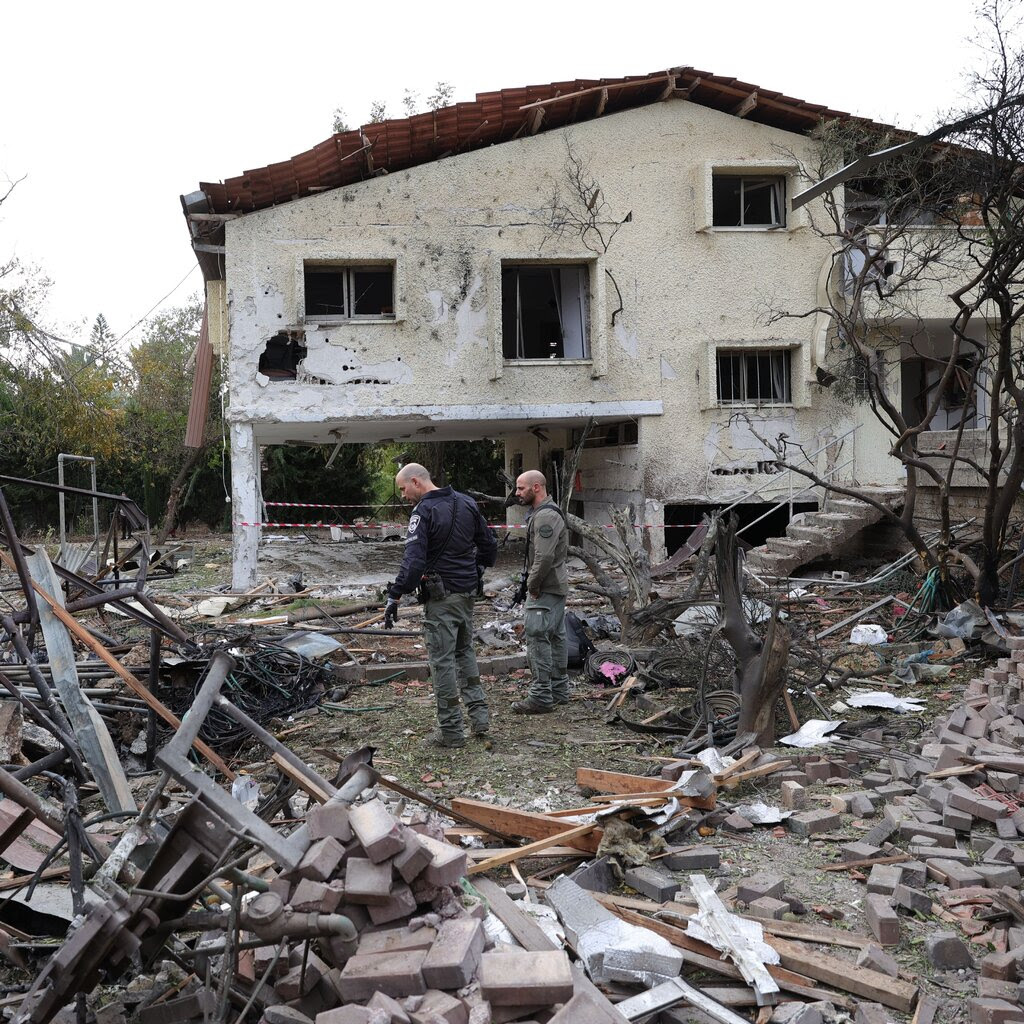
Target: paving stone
pixel 879 833
pixel 912 899
pixel 395 974
pixel 792 796
pixel 927 853
pixel 329 821
pixel 525 979
pixel 878 960
pixel 818 771
pixel 453 958
pixel 857 851
pixel 872 780
pixel 978 807
pixel 913 872
pixel 884 878
pixel 440 1006
pixel 862 806
pixel 882 919
pixel 915 831
pixel 395 940
pixel 993 988
pixel 651 882
pixel 993 1011
pixel 400 903
pixel 1003 966
pixel 685 860
pixel 321 860
pixel 768 908
pixel 872 1013
pixel 961 821
pixel 953 873
pixel 379 834
pixel 808 823
pixel 946 951
pixel 447 865
pixel 761 884
pixel 367 883
pixel 893 790
pixel 379 1001
pixel 1006 828
pixel 996 875
pixel 352 1015
pixel 411 861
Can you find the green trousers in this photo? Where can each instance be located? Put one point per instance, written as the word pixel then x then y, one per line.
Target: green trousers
pixel 545 645
pixel 448 624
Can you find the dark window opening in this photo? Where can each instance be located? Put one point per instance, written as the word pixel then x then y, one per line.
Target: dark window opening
pixel 281 357
pixel 348 293
pixel 609 435
pixel 681 520
pixel 544 312
pixel 515 465
pixel 739 202
pixel 754 377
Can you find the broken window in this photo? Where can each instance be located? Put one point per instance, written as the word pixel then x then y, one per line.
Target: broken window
pixel 608 435
pixel 364 291
pixel 544 312
pixel 754 376
pixel 739 202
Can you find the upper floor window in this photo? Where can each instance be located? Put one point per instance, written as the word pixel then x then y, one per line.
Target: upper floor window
pixel 748 202
pixel 544 311
pixel 349 292
pixel 755 376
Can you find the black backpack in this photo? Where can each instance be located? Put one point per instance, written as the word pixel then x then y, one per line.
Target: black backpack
pixel 577 644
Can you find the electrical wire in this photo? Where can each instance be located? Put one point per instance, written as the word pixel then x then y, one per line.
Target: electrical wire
pixel 145 316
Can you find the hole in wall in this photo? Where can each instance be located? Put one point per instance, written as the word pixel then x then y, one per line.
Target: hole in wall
pixel 281 357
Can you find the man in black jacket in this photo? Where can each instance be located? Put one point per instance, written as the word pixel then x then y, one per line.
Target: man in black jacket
pixel 447 548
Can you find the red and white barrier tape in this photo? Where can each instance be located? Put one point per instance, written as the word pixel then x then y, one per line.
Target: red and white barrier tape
pixel 493 526
pixel 309 504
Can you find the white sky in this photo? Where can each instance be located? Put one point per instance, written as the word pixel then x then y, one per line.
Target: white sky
pixel 113 110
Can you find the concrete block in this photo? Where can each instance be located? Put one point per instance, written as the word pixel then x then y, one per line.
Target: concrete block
pixel 412 860
pixel 453 958
pixel 400 903
pixel 857 851
pixel 862 806
pixel 438 1007
pixel 882 919
pixel 279 1013
pixel 587 1006
pixel 993 988
pixel 872 1013
pixel 978 807
pixel 953 873
pixel 946 951
pixel 315 897
pixel 688 860
pixel 525 979
pixel 872 780
pixel 912 899
pixel 652 883
pixel 321 860
pixel 395 940
pixel 367 883
pixel 993 1011
pixel 915 831
pixel 329 821
pixel 1006 828
pixel 996 875
pixel 395 974
pixel 379 834
pixel 808 823
pixel 1002 966
pixel 961 821
pixel 397 1014
pixel 597 875
pixel 884 878
pixel 913 872
pixel 818 771
pixel 447 865
pixel 761 884
pixel 352 1015
pixel 877 959
pixel 768 908
pixel 927 853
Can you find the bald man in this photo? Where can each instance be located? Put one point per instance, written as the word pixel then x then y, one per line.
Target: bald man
pixel 547 584
pixel 447 548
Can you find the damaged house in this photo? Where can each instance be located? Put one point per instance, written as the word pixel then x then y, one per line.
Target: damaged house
pixel 512 267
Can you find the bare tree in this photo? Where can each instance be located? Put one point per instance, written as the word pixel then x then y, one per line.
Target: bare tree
pixel 943 218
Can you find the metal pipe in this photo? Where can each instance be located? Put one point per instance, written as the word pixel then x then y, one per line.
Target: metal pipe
pixel 19 560
pixel 44 764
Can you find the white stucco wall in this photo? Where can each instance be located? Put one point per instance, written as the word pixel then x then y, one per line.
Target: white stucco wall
pixel 686 289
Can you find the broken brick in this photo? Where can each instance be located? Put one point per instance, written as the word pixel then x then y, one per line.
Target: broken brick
pixel 882 919
pixel 379 834
pixel 525 979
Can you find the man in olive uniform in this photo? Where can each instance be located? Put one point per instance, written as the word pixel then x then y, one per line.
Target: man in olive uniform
pixel 447 548
pixel 547 544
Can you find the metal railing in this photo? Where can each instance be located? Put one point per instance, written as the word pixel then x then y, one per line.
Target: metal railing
pixel 830 475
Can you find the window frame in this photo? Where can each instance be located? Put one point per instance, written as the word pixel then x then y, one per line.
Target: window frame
pixel 586 298
pixel 744 353
pixel 780 179
pixel 627 435
pixel 348 269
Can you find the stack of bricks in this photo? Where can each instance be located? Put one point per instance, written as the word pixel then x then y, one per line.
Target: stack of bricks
pixel 422 954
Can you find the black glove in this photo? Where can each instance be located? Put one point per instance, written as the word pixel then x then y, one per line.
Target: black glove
pixel 390 612
pixel 479 581
pixel 520 595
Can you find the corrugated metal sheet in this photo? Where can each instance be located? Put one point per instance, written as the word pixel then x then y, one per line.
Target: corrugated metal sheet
pixel 493 117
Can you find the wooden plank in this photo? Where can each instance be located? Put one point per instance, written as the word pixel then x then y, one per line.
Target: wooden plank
pixel 119 670
pixel 860 981
pixel 513 822
pixel 867 862
pixel 739 764
pixel 753 773
pixel 620 783
pixel 531 849
pixel 98 748
pixel 307 785
pixel 524 929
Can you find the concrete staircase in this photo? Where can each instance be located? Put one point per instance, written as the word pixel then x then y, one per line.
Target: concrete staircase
pixel 815 534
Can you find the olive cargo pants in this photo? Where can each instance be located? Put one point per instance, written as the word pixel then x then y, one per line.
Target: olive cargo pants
pixel 448 625
pixel 545 645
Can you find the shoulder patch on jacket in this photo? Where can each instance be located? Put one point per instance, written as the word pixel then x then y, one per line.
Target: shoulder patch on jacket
pixel 545 530
pixel 414 521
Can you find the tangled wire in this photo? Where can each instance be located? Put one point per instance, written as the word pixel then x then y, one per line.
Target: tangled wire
pixel 270 681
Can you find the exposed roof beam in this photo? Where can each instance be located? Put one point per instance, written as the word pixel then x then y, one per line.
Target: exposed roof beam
pixel 597 88
pixel 688 90
pixel 534 123
pixel 746 106
pixel 213 218
pixel 602 102
pixel 670 88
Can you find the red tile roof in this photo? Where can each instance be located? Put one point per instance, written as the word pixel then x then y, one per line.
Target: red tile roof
pixel 495 117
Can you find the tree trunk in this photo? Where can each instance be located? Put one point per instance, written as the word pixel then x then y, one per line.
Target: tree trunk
pixel 195 456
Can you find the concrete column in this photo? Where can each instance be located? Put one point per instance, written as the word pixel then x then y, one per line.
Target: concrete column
pixel 245 505
pixel 654 531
